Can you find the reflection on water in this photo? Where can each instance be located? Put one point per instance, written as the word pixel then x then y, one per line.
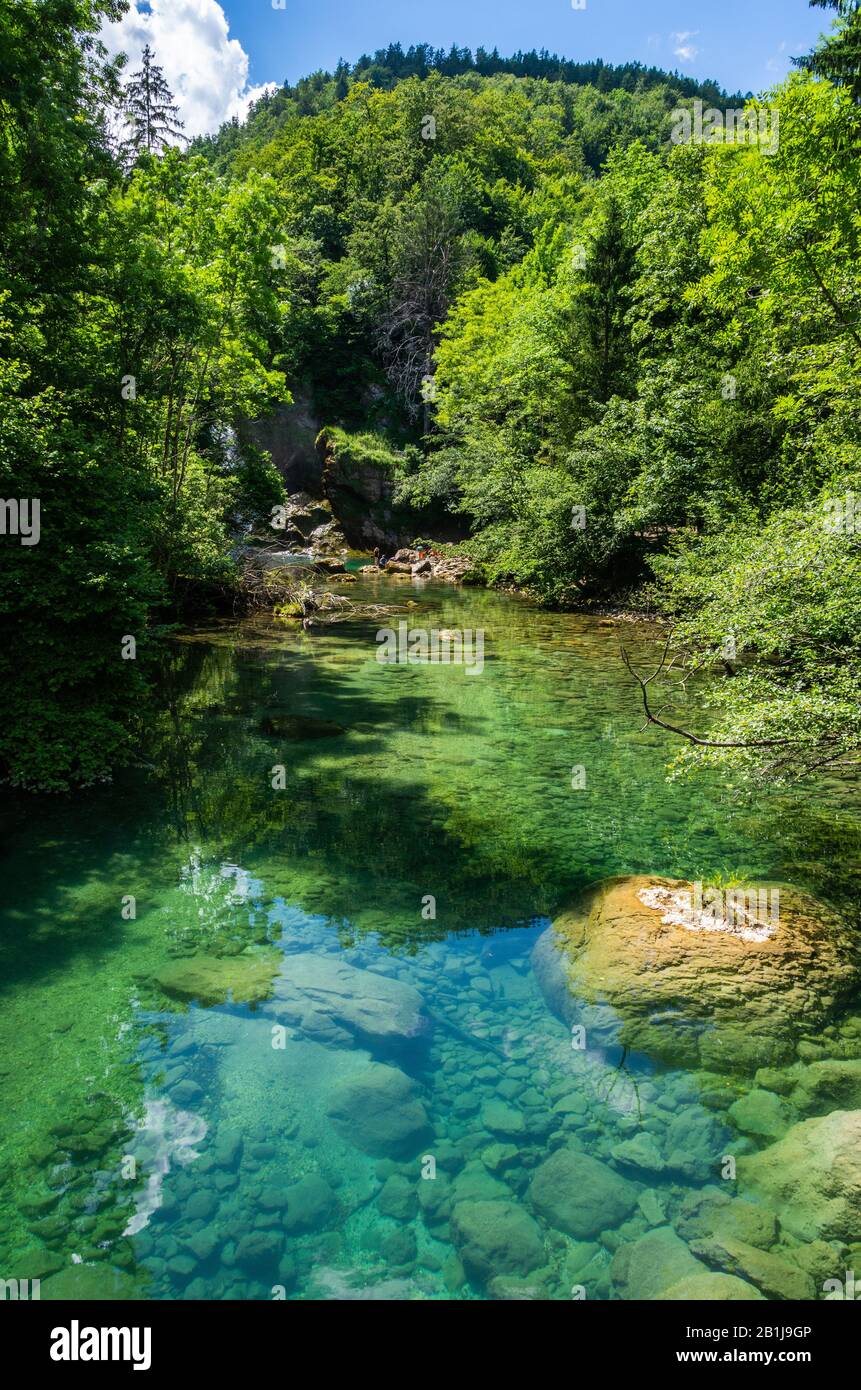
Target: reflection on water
pixel 371 1121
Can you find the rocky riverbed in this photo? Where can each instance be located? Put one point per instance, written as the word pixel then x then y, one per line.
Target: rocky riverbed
pixel 417 1018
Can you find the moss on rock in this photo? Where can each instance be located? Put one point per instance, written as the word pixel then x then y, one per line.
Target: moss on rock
pixel 696 995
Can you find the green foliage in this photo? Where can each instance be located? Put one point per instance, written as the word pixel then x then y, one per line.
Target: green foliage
pixel 614 98
pixel 357 451
pixel 839 58
pixel 151 116
pixel 503 289
pixel 136 320
pixel 776 605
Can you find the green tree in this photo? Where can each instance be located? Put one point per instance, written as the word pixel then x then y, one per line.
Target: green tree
pixel 149 110
pixel 839 58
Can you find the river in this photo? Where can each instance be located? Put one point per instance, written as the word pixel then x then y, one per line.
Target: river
pixel 426 826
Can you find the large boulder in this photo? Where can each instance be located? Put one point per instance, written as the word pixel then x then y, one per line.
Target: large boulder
pixel 311 525
pixel 378 1110
pixel 760 1113
pixel 689 987
pixel 306 1205
pixel 331 1001
pixel 812 1177
pixel 496 1237
pixel 580 1195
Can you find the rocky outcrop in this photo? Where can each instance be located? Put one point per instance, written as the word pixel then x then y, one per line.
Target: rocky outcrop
pixel 727 996
pixel 310 526
pixel 812 1177
pixel 359 474
pixel 288 435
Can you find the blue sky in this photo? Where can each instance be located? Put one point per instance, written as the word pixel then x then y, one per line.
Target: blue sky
pixel 219 54
pixel 743 43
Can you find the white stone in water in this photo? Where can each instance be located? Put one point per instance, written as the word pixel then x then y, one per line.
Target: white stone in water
pixel 680 910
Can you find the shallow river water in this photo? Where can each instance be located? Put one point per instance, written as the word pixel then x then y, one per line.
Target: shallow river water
pixel 187 1147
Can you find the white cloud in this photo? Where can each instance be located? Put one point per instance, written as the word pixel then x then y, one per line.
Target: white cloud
pixel 206 70
pixel 683 48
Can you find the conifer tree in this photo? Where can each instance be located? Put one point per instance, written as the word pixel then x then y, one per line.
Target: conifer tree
pixel 150 111
pixel 839 57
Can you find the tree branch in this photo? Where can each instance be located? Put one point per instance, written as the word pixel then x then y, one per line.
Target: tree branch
pixel 652 718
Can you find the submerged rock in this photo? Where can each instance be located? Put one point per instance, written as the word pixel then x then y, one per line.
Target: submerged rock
pixel 696 1143
pixel 812 1177
pixel 209 980
pixel 503 1119
pixel 648 1266
pixel 494 1238
pixel 640 1153
pixel 399 1198
pixel 827 1085
pixel 761 1113
pixel 775 1276
pixel 377 1109
pixel 334 1002
pixel 712 1212
pixel 311 1204
pixel 703 994
pixel 710 1288
pixel 580 1195
pixel 257 1252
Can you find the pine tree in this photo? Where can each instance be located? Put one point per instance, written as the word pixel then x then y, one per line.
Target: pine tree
pixel 342 80
pixel 150 110
pixel 839 57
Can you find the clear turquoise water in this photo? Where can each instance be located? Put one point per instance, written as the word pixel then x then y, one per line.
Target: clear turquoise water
pixel 141 1133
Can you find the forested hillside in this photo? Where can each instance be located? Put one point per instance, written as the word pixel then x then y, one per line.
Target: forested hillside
pixel 627 366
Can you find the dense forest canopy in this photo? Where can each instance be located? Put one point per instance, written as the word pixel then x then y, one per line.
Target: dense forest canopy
pixel 627 364
pixel 385 68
